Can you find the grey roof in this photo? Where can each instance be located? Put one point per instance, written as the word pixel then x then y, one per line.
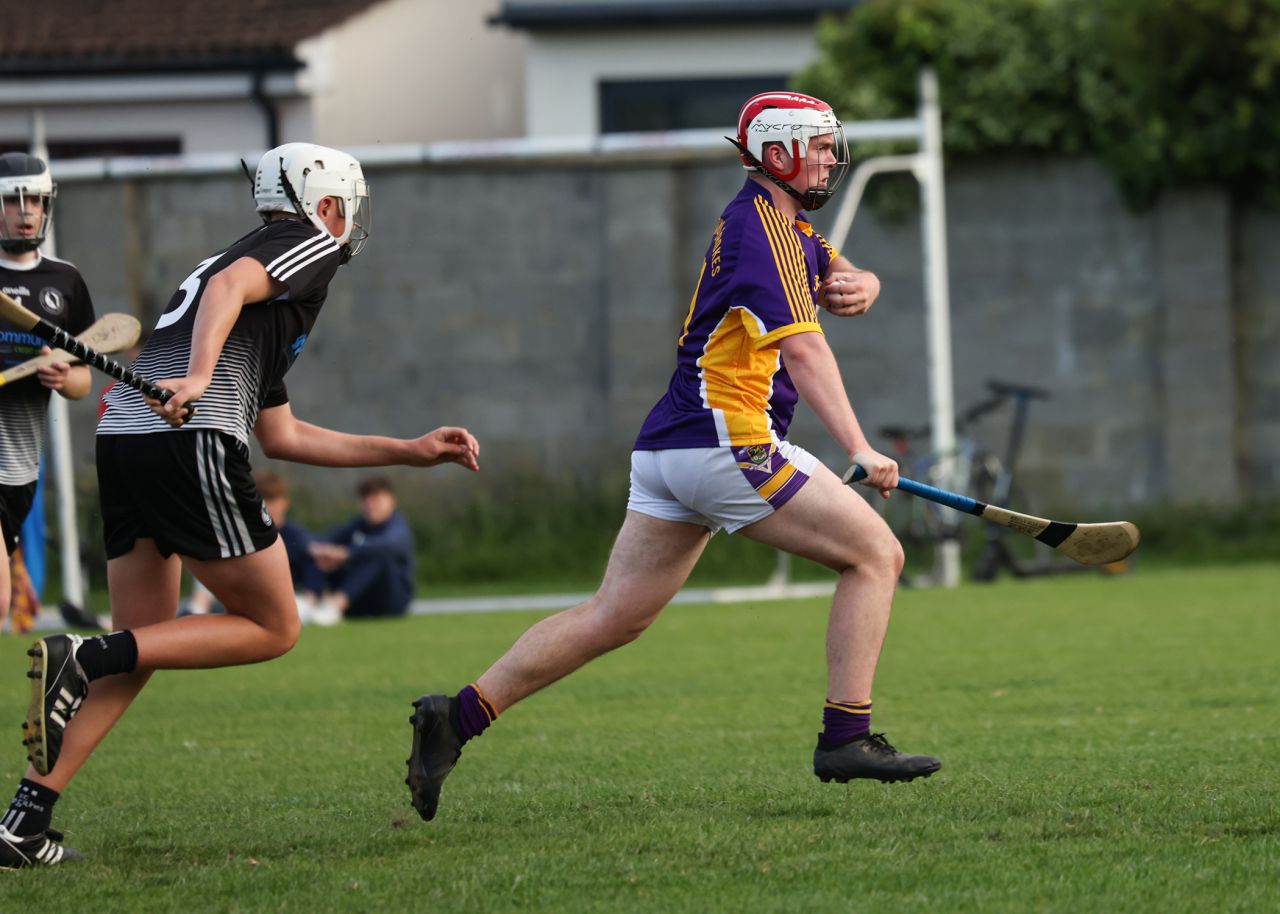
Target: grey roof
pixel 78 36
pixel 537 15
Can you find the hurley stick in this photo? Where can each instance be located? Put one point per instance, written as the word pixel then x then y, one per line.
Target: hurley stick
pixel 109 333
pixel 1088 544
pixel 55 336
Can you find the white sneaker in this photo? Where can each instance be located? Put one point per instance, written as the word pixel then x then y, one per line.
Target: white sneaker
pixel 326 613
pixel 306 608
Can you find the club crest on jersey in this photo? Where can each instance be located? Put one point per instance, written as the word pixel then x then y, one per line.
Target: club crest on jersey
pixel 756 457
pixel 297 345
pixel 51 300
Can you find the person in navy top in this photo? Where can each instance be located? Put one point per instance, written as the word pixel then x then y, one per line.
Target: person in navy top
pixel 368 561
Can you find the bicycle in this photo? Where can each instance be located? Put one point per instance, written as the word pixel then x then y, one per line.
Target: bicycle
pixel 920 525
pixel 970 469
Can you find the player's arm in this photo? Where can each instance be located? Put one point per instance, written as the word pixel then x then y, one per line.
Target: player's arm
pixel 72 381
pixel 847 290
pixel 816 375
pixel 283 436
pixel 224 296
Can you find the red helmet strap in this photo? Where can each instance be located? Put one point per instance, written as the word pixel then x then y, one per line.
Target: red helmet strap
pixel 808 200
pixel 797 162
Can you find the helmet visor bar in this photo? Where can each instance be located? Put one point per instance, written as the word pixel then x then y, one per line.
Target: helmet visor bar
pixel 360 216
pixel 17 208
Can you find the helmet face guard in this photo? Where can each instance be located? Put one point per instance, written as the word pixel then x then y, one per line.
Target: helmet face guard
pixel 794 121
pixel 359 215
pixel 24 179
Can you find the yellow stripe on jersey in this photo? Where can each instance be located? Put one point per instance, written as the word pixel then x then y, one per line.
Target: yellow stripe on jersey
pixel 737 379
pixel 796 272
pixel 789 260
pixel 786 250
pixel 832 253
pixel 802 274
pixel 693 303
pixel 777 481
pixel 805 227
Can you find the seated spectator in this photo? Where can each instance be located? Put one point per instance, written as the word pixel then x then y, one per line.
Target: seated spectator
pixel 308 581
pixel 368 561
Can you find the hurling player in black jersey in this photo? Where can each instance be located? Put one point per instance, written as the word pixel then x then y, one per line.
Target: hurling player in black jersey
pixel 178 493
pixel 53 289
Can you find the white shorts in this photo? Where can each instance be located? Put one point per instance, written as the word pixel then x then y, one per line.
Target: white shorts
pixel 718 487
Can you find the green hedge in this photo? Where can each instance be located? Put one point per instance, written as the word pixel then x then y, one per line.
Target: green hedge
pixel 1164 92
pixel 562 542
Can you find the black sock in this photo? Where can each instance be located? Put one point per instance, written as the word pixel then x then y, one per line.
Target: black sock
pixel 31 810
pixel 106 655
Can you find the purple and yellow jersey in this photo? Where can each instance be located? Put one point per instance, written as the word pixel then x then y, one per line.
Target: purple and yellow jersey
pixel 759 283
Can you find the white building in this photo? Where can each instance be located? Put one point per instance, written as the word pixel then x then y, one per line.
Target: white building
pixel 609 66
pixel 145 77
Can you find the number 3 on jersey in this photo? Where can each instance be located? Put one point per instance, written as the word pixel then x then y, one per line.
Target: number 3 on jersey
pixel 190 288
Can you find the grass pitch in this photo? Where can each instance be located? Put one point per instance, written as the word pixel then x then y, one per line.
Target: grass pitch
pixel 1108 745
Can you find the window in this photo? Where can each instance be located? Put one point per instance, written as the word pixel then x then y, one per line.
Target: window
pixel 90 149
pixel 678 104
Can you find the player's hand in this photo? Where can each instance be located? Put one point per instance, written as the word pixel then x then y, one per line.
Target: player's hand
pixel 446 445
pixel 328 556
pixel 185 390
pixel 882 472
pixel 53 375
pixel 848 293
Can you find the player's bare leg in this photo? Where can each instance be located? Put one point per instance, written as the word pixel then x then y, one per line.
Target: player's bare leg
pixel 144 589
pixel 650 561
pixel 829 523
pixel 261 623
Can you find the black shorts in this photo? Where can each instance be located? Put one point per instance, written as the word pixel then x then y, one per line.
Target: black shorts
pixel 15 504
pixel 190 491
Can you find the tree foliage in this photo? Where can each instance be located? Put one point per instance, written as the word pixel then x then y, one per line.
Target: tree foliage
pixel 1164 92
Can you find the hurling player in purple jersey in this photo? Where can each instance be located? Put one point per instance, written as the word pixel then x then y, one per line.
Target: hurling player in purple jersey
pixel 177 491
pixel 713 455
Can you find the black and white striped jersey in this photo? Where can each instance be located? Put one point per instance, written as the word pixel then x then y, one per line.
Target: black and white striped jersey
pixel 264 341
pixel 53 289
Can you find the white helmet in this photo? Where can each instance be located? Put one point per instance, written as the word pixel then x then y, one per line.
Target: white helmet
pixel 23 176
pixel 793 120
pixel 295 177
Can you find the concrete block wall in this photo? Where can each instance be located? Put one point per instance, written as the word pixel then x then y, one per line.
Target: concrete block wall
pixel 538 304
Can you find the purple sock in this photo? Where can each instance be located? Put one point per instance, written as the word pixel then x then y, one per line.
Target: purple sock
pixel 475 713
pixel 843 721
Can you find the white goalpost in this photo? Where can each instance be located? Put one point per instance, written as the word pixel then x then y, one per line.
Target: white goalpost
pixel 925 129
pixel 926 166
pixel 60 439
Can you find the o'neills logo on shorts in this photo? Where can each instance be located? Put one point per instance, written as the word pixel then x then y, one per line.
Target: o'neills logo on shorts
pixel 51 300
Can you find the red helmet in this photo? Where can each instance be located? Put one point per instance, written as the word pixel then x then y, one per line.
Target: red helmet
pixel 791 119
